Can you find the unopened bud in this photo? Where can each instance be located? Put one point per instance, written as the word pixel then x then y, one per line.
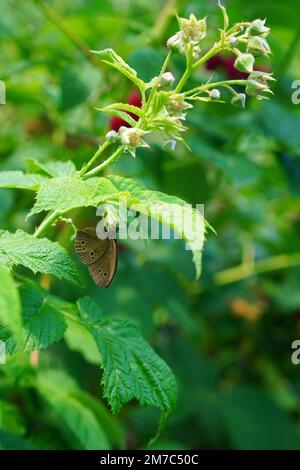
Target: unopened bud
pixel 244 63
pixel 233 41
pixel 196 52
pixel 175 42
pixel 166 79
pixel 176 104
pixel 239 100
pixel 257 83
pixel 258 46
pixel 215 94
pixel 112 136
pixel 258 28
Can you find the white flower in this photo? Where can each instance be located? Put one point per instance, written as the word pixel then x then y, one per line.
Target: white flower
pixel 131 138
pixel 193 30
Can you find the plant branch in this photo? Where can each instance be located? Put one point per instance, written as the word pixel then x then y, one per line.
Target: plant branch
pixel 100 150
pixel 48 220
pixel 113 158
pixel 248 269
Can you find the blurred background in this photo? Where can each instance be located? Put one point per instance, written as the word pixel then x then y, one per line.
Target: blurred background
pixel 227 337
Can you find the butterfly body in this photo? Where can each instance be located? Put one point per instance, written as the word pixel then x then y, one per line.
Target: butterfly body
pixel 100 256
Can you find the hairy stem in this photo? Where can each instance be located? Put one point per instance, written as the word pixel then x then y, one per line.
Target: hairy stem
pixel 112 159
pixel 49 220
pixel 100 150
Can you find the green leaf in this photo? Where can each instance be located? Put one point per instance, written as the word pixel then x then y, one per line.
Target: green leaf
pixel 20 180
pixel 225 15
pixel 108 422
pixel 60 392
pixel 43 321
pixel 110 57
pixel 51 168
pixel 38 254
pixel 121 114
pixel 129 108
pixel 10 307
pixel 78 339
pixel 172 211
pixel 131 368
pixel 69 193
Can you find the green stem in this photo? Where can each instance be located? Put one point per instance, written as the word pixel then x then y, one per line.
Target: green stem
pixel 94 158
pixel 48 220
pixel 166 63
pixel 187 72
pixel 248 269
pixel 214 50
pixel 113 158
pixel 207 86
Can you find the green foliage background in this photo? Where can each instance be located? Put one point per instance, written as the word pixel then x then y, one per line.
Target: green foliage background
pixel 227 337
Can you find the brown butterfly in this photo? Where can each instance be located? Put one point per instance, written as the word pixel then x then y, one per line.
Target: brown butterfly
pixel 100 256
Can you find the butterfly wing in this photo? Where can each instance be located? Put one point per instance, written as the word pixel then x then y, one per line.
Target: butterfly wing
pixel 89 247
pixel 100 256
pixel 104 270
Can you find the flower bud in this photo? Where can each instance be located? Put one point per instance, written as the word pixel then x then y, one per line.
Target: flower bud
pixel 258 28
pixel 112 136
pixel 170 144
pixel 193 30
pixel 163 81
pixel 244 63
pixel 215 94
pixel 196 52
pixel 176 43
pixel 166 80
pixel 258 46
pixel 239 100
pixel 233 41
pixel 176 104
pixel 257 83
pixel 131 138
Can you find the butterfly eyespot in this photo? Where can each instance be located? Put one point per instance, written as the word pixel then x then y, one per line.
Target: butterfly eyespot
pixel 105 274
pixel 83 248
pixel 99 270
pixel 82 242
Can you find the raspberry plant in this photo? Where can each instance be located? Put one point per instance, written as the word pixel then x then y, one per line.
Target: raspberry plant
pixel 32 318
